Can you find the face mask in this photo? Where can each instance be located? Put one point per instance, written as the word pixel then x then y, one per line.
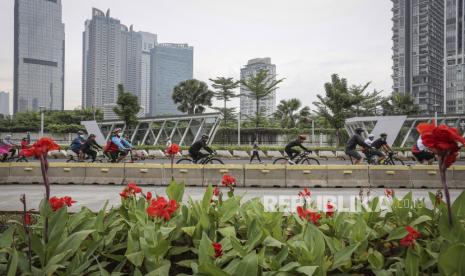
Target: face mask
pixel 119 134
pixel 82 136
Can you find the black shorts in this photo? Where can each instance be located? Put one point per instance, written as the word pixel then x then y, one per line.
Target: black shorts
pixel 354 154
pixel 76 151
pixel 423 156
pixel 376 152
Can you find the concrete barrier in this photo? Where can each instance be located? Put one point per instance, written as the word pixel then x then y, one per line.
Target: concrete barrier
pixel 66 173
pixel 25 173
pixel 189 174
pixel 224 153
pixel 458 178
pixel 424 176
pixel 105 173
pixel 342 155
pixel 326 154
pixel 213 174
pixel 144 174
pixel 390 177
pixel 156 153
pixel 299 176
pixel 4 172
pixel 265 176
pixel 342 176
pixel 241 153
pixel 274 153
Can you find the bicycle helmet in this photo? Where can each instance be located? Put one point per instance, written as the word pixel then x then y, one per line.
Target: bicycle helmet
pixel 116 130
pixel 205 136
pixel 383 135
pixel 359 130
pixel 371 136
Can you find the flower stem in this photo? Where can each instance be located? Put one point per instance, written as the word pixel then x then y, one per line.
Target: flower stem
pixel 44 168
pixel 442 171
pixel 26 230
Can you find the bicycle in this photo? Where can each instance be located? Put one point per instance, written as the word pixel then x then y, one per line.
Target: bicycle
pixel 303 158
pixel 15 158
pixel 209 159
pixel 73 158
pixel 392 159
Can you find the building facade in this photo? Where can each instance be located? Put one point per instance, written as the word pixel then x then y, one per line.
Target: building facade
pixel 131 54
pixel 149 41
pixel 171 64
pixel 248 105
pixel 39 55
pixel 4 103
pixel 455 57
pixel 418 52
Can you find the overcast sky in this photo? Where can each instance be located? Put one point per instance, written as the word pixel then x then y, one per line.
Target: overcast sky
pixel 308 40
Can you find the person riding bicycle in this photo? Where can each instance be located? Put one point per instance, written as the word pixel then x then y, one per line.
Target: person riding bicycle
pixel 380 146
pixel 195 149
pixel 421 152
pixel 7 147
pixel 351 145
pixel 77 143
pixel 26 141
pixel 290 147
pixel 370 139
pixel 89 147
pixel 117 147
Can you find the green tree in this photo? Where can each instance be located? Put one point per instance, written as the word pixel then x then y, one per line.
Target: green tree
pixel 399 104
pixel 127 107
pixel 258 88
pixel 291 115
pixel 192 96
pixel 225 91
pixel 335 106
pixel 366 103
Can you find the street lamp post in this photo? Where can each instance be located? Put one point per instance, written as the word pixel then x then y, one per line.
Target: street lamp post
pixel 436 113
pixel 239 129
pixel 42 111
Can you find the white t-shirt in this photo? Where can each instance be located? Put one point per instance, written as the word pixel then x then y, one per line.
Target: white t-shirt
pixel 368 141
pixel 420 145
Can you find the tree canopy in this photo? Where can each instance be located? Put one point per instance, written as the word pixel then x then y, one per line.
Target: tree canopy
pixel 225 91
pixel 127 107
pixel 192 96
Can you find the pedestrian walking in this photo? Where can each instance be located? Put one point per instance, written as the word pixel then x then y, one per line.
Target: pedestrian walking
pixel 255 152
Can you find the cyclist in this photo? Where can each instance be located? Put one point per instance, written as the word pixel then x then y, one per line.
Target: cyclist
pixel 117 147
pixel 26 141
pixel 422 153
pixel 380 145
pixel 370 139
pixel 7 147
pixel 351 145
pixel 77 143
pixel 290 148
pixel 89 147
pixel 195 148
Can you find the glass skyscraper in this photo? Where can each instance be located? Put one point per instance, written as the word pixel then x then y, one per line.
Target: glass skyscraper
pixel 171 64
pixel 39 55
pixel 149 41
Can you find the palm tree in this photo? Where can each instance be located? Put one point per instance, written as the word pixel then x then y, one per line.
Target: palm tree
pixel 192 96
pixel 335 106
pixel 127 107
pixel 289 114
pixel 258 88
pixel 399 104
pixel 225 92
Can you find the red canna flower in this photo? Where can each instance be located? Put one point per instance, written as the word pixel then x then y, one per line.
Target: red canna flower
pixel 173 149
pixel 389 193
pixel 41 147
pixel 218 249
pixel 442 140
pixel 148 196
pixel 329 209
pixel 305 193
pixel 124 194
pixel 410 238
pixel 308 215
pixel 56 203
pixel 134 188
pixel 216 191
pixel 27 218
pixel 162 208
pixel 228 180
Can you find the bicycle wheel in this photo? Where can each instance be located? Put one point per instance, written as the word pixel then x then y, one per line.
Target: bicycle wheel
pixel 214 161
pixel 396 161
pixel 184 161
pixel 310 161
pixel 281 161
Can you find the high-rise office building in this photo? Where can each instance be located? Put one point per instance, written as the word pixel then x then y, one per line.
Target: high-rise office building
pixel 111 56
pixel 418 52
pixel 248 106
pixel 171 64
pixel 455 56
pixel 4 103
pixel 39 55
pixel 149 41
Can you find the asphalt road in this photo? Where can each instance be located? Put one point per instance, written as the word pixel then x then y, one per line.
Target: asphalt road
pixel 94 196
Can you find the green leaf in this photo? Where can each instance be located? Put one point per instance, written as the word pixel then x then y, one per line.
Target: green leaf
pixel 229 231
pixel 189 230
pixel 376 259
pixel 228 209
pixel 342 256
pixel 307 270
pixel 412 263
pixel 6 238
pixel 73 242
pixel 13 263
pixel 248 266
pixel 451 261
pixel 397 234
pixel 52 263
pixel 163 270
pixel 206 250
pixel 165 231
pixel 289 266
pixel 206 201
pixel 136 258
pixel 272 242
pixel 210 269
pixel 420 220
pixel 458 207
pixel 236 245
pixel 175 191
pixel 254 235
